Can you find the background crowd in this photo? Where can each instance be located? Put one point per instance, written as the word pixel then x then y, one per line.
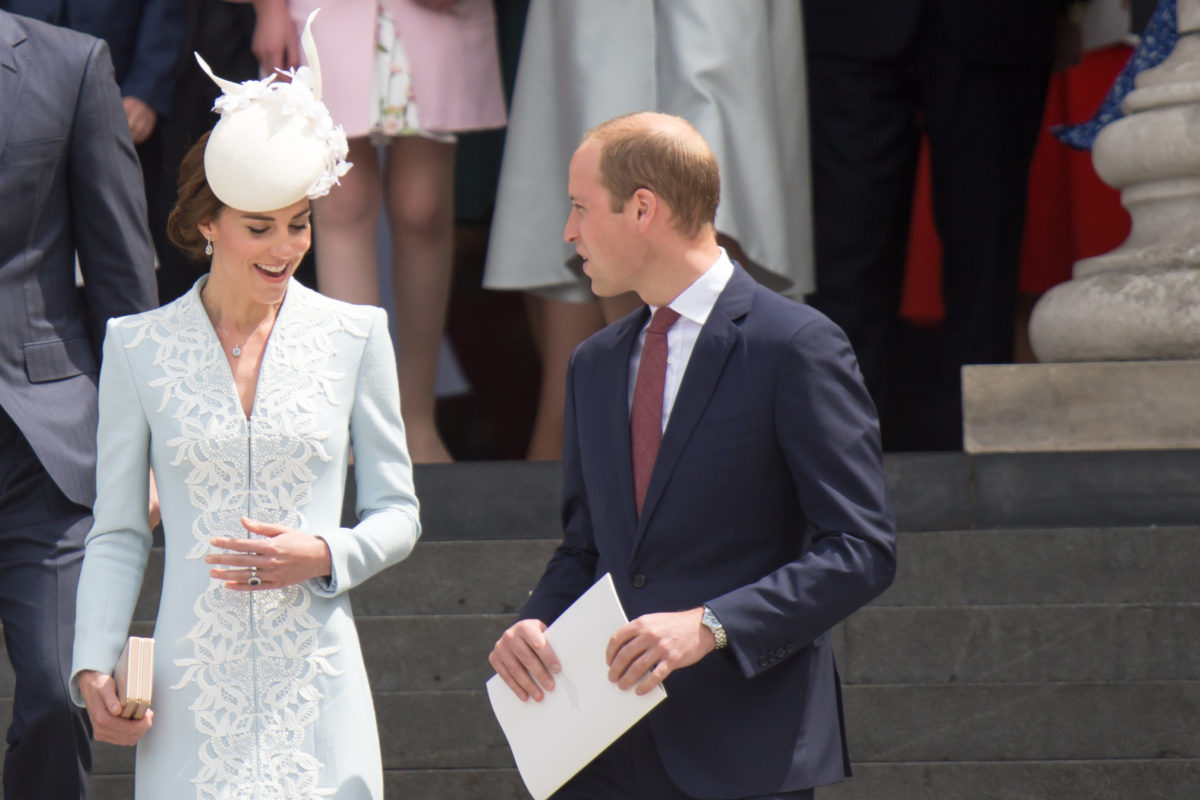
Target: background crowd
pixel 876 161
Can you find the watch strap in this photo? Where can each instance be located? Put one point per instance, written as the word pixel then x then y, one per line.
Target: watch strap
pixel 710 621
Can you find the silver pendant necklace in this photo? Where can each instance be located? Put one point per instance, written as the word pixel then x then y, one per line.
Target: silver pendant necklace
pixel 236 350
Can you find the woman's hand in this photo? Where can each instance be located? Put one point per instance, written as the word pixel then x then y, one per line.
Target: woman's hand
pixel 285 558
pixel 100 695
pixel 275 42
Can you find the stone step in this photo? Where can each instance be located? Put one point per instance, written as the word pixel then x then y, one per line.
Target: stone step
pixel 1024 722
pixel 911 645
pixel 892 646
pixel 991 722
pixel 929 491
pixel 887 724
pixel 980 567
pixel 454 784
pixel 993 567
pixel 1054 566
pixel 1020 644
pixel 470 577
pixel 1124 779
pixel 1121 779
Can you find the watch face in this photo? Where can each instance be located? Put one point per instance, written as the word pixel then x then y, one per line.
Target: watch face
pixel 710 621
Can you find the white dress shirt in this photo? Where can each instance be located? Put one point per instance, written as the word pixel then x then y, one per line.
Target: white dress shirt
pixel 694 304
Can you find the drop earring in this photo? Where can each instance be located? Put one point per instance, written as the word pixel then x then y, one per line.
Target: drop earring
pixel 208 247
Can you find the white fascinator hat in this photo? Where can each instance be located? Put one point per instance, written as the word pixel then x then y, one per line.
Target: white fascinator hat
pixel 275 143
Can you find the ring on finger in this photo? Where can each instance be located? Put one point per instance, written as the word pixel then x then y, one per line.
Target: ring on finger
pixel 254 580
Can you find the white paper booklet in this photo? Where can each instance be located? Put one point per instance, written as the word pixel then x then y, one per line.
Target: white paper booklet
pixel 585 713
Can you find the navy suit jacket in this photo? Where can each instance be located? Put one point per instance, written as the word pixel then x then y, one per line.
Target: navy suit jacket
pixel 767 503
pixel 993 31
pixel 69 179
pixel 144 37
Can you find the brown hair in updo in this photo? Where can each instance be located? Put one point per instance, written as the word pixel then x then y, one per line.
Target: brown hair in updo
pixel 196 204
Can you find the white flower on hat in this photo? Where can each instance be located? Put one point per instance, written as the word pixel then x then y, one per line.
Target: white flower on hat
pixel 275 142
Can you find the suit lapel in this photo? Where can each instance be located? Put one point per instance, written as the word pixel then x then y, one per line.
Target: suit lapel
pixel 712 349
pixel 11 77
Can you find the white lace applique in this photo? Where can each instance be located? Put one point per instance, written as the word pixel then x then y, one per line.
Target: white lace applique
pixel 255 656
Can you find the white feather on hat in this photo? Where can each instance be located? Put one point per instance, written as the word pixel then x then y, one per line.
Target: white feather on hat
pixel 275 143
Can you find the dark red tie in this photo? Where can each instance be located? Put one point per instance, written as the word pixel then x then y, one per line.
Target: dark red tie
pixel 645 421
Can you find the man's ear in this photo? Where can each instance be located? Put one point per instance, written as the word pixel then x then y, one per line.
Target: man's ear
pixel 645 205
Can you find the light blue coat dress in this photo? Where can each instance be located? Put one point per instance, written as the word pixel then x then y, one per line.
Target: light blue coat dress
pixel 257 695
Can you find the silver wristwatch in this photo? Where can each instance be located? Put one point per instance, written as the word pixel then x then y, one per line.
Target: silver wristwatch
pixel 710 621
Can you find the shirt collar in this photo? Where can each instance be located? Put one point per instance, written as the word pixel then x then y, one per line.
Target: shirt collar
pixel 697 301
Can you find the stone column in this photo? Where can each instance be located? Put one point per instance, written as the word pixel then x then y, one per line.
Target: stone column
pixel 1142 300
pixel 1129 319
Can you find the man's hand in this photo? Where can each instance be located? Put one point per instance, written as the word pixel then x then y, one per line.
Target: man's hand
pixel 524 659
pixel 275 42
pixel 645 651
pixel 1068 45
pixel 100 696
pixel 141 117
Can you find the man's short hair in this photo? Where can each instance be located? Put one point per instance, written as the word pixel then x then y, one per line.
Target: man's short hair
pixel 666 155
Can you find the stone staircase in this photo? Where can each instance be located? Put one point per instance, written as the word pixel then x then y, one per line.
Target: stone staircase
pixel 1042 640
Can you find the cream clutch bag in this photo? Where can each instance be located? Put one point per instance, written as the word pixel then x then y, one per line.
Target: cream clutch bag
pixel 134 676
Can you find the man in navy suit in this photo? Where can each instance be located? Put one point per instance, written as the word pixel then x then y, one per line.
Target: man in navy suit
pixel 751 521
pixel 144 38
pixel 69 181
pixel 972 76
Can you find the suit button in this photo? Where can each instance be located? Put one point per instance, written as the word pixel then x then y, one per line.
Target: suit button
pixel 790 648
pixel 762 661
pixel 781 653
pixel 639 581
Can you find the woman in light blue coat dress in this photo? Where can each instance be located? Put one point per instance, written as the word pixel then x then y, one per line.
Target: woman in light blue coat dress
pixel 245 396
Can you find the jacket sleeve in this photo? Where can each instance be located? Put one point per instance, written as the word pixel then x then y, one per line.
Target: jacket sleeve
pixel 119 542
pixel 156 53
pixel 827 429
pixel 108 201
pixel 387 506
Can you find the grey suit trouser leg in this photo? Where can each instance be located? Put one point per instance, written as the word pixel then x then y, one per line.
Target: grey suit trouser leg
pixel 41 552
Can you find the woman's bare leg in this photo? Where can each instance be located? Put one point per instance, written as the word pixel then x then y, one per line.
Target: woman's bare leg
pixel 419 190
pixel 558 327
pixel 346 220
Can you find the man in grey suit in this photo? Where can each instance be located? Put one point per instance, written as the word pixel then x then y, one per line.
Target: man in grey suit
pixel 69 181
